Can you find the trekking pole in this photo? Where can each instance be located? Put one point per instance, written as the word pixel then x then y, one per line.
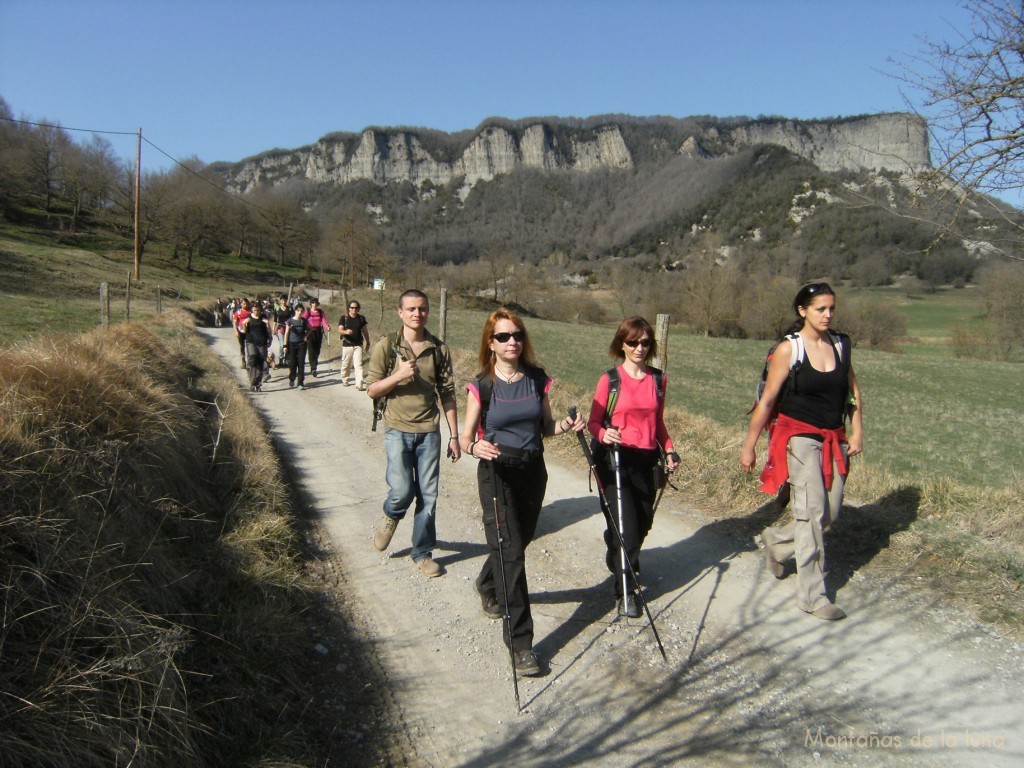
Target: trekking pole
pixel 589 456
pixel 506 617
pixel 622 544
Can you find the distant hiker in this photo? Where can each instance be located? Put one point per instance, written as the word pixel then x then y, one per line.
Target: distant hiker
pixel 508 414
pixel 295 349
pixel 238 317
pixel 355 336
pixel 257 342
pixel 279 327
pixel 218 312
pixel 808 445
pixel 316 324
pixel 412 370
pixel 627 419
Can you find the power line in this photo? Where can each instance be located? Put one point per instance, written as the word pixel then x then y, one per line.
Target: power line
pixel 205 180
pixel 138 133
pixel 65 128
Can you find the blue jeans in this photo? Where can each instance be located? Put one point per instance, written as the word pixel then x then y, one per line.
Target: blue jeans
pixel 414 466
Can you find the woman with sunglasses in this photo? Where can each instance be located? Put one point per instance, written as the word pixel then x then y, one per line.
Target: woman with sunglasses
pixel 508 414
pixel 629 420
pixel 808 444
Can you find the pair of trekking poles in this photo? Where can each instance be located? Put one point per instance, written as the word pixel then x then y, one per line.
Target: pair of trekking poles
pixel 615 526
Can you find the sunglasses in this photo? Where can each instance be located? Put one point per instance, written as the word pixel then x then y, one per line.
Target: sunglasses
pixel 504 337
pixel 353 306
pixel 637 343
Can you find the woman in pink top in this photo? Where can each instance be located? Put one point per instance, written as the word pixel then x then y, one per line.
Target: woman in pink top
pixel 633 426
pixel 316 324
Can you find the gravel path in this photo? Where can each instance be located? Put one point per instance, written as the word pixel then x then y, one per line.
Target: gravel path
pixel 749 679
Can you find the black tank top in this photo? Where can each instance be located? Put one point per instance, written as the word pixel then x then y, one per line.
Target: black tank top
pixel 818 398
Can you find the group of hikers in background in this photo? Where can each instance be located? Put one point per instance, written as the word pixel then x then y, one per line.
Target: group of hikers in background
pixel 809 404
pixel 278 333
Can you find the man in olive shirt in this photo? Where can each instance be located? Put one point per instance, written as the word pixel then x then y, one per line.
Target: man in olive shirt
pixel 413 377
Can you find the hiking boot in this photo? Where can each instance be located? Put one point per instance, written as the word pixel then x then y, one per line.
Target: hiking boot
pixel 777 569
pixel 429 567
pixel 384 532
pixel 828 612
pixel 526 663
pixel 301 386
pixel 629 606
pixel 490 604
pixel 291 382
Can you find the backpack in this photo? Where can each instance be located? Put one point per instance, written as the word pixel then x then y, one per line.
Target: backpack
pixel 796 357
pixel 485 385
pixel 380 404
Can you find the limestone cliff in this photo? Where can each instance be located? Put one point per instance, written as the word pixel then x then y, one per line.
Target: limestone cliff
pixel 893 142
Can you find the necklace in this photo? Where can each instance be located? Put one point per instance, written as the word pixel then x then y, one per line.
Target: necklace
pixel 503 377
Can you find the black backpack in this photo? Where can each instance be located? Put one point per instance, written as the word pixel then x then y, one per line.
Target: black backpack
pixel 796 357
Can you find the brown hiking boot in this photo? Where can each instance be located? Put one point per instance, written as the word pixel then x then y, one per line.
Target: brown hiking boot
pixel 382 536
pixel 429 567
pixel 777 569
pixel 829 612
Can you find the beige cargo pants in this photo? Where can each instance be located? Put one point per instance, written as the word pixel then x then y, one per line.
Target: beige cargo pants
pixel 814 510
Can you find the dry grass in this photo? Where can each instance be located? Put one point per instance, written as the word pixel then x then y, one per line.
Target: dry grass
pixel 153 603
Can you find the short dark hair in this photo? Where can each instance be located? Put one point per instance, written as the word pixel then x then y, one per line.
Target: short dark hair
pixel 412 293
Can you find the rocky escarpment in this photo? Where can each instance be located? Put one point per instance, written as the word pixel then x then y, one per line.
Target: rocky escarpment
pixel 893 142
pixel 384 156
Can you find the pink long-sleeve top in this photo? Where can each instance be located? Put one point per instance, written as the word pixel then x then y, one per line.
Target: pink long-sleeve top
pixel 316 319
pixel 638 414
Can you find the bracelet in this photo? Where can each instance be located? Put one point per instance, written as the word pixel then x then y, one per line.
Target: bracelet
pixel 453 437
pixel 470 451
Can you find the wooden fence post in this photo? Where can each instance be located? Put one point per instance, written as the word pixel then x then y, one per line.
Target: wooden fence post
pixel 443 325
pixel 104 305
pixel 128 299
pixel 661 339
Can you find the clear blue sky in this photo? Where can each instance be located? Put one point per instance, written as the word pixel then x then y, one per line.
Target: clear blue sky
pixel 224 80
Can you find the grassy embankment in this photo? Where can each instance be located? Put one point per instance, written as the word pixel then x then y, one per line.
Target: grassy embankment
pixel 159 593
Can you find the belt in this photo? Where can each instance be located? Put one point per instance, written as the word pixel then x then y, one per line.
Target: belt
pixel 517 455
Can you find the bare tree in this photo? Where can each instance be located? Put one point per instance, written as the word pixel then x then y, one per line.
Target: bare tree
pixel 972 93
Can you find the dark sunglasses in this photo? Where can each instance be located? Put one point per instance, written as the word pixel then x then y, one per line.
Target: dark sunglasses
pixel 637 343
pixel 504 337
pixel 353 306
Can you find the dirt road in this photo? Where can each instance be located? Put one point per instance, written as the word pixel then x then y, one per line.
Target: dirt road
pixel 749 680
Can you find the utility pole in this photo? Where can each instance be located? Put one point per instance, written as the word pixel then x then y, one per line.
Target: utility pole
pixel 138 194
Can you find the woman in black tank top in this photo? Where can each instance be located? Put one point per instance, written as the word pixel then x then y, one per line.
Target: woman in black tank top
pixel 809 445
